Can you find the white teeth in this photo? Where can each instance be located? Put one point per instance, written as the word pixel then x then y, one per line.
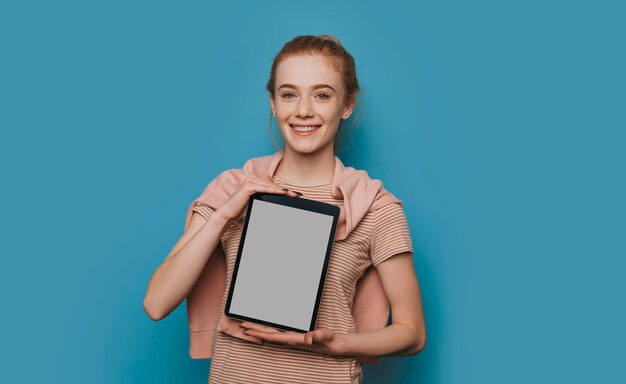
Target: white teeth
pixel 304 129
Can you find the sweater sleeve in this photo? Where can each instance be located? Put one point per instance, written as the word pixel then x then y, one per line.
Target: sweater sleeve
pixel 203 210
pixel 390 233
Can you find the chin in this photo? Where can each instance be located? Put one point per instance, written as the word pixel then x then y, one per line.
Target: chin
pixel 303 150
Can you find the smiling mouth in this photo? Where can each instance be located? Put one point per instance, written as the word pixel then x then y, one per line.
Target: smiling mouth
pixel 305 130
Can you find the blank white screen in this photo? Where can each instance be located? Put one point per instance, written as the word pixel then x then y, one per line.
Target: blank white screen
pixel 281 264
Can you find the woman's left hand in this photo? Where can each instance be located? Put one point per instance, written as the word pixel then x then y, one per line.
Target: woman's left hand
pixel 321 340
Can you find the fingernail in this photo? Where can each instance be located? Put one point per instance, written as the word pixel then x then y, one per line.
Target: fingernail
pixel 285 189
pixel 241 326
pixel 298 193
pixel 244 332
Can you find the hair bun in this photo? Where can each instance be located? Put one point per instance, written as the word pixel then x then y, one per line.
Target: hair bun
pixel 329 37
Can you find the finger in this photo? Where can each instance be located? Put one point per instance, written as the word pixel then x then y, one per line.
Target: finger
pixel 258 327
pixel 254 339
pixel 270 180
pixel 261 185
pixel 289 338
pixel 288 191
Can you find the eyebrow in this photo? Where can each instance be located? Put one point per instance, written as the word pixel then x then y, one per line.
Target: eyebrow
pixel 316 86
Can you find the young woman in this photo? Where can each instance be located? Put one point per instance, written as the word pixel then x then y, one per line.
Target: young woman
pixel 312 88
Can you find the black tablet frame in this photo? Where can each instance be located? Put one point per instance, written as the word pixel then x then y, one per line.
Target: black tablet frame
pixel 294 202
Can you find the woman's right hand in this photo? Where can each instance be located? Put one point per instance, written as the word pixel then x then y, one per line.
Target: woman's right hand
pixel 238 201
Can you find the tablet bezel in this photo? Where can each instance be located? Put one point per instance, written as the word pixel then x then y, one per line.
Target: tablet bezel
pixel 294 202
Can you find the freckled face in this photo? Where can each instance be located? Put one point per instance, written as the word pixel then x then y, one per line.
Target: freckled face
pixel 309 102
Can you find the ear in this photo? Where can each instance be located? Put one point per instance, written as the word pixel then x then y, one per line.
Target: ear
pixel 349 107
pixel 271 101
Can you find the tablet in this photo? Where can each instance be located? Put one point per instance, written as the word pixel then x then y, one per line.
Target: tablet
pixel 281 265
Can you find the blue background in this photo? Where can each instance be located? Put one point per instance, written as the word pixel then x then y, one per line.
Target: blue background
pixel 499 124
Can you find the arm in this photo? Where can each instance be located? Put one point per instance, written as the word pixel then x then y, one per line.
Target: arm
pixel 405 336
pixel 407 333
pixel 175 277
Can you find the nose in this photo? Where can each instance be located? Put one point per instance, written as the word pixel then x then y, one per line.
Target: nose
pixel 305 108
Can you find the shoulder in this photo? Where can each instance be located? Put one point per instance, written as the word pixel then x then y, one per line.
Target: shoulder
pixel 360 180
pixel 390 234
pixel 364 177
pixel 390 210
pixel 383 199
pixel 365 191
pixel 351 172
pixel 227 181
pixel 382 216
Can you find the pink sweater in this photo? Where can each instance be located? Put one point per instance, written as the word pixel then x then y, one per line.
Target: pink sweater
pixel 360 194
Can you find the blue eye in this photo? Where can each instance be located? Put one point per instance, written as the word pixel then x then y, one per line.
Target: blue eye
pixel 325 95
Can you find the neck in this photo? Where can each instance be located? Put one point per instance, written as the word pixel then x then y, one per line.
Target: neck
pixel 307 168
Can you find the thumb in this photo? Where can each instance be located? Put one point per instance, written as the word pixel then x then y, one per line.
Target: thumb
pixel 308 338
pixel 321 335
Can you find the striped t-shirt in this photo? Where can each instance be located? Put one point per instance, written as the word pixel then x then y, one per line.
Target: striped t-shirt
pixel 382 233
